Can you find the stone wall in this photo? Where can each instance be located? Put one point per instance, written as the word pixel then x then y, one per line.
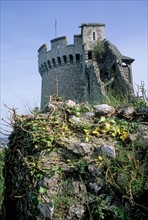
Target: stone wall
pixel 127 74
pixel 63 81
pixel 94 89
pixel 112 72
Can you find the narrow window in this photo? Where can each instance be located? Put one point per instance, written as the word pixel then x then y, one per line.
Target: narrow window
pixel 59 60
pixel 53 61
pixel 90 55
pixel 77 58
pixel 114 68
pixel 94 36
pixel 71 58
pixel 65 59
pixel 88 81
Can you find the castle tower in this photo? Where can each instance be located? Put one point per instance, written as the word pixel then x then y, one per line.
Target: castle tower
pixel 70 70
pixel 91 33
pixel 61 68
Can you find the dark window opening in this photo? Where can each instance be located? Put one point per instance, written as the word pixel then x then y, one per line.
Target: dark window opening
pixel 71 58
pixel 59 60
pixel 49 64
pixel 65 59
pixel 90 55
pixel 45 67
pixel 88 81
pixel 53 61
pixel 94 36
pixel 114 68
pixel 77 58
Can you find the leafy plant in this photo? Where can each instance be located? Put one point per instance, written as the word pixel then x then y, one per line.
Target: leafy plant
pixel 63 200
pixel 98 210
pixel 125 174
pixel 99 49
pixel 57 170
pixel 119 213
pixel 81 166
pixel 109 126
pixel 75 110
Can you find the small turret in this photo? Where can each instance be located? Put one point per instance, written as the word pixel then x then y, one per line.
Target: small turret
pixel 91 33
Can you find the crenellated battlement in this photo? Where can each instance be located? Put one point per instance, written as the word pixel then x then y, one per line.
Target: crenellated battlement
pixel 60 61
pixel 61 54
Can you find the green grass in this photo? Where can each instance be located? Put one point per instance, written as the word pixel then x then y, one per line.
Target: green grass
pixel 116 99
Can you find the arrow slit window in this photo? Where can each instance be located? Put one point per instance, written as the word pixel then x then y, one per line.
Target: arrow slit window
pixel 94 36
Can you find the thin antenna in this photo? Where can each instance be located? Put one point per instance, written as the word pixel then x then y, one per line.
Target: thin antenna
pixel 55 27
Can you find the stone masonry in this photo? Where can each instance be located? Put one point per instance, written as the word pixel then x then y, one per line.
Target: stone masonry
pixel 71 71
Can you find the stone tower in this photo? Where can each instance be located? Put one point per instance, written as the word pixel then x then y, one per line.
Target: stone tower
pixel 91 33
pixel 71 71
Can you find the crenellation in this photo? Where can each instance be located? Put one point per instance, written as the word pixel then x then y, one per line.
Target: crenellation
pixel 78 40
pixel 58 42
pixel 42 49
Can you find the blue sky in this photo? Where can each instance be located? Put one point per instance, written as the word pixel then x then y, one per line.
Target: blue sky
pixel 26 25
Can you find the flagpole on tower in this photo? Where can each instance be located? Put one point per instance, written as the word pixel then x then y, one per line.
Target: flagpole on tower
pixel 55 28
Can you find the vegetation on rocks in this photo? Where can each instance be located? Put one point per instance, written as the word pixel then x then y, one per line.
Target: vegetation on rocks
pixel 99 49
pixel 76 161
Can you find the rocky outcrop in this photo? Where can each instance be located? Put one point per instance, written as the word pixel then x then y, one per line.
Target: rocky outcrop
pixel 72 162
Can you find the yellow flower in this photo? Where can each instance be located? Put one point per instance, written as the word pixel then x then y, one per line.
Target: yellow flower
pixel 115 131
pixel 86 131
pixel 124 135
pixel 87 138
pixel 102 119
pixel 100 158
pixel 96 131
pixel 107 126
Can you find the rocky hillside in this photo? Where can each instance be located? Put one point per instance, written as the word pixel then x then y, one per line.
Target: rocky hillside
pixel 74 161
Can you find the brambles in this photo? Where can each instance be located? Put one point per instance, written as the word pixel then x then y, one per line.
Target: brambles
pixel 126 175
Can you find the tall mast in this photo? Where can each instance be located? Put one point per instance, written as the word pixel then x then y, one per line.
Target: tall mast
pixel 55 28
